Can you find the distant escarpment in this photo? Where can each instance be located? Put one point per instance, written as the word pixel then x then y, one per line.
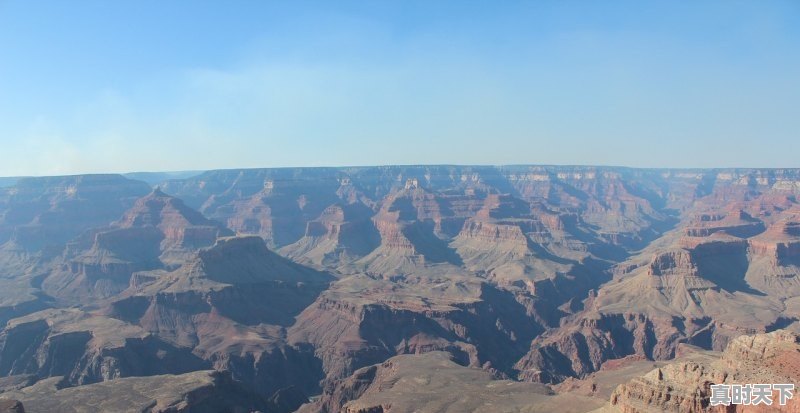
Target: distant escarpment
pixel 41 213
pixel 540 273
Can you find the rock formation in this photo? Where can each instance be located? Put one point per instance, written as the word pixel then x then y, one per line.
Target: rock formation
pixel 366 283
pixel 685 386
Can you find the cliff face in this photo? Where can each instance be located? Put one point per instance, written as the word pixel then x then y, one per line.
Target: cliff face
pixel 158 231
pixel 86 349
pixel 274 204
pixel 697 293
pixel 183 230
pixel 339 236
pixel 38 216
pixel 685 386
pixel 527 272
pixel 229 304
pixel 487 330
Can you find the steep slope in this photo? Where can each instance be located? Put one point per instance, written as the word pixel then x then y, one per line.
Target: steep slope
pixel 275 204
pixel 409 223
pixel 38 216
pixel 699 290
pixel 342 234
pixel 686 386
pixel 361 320
pixel 230 305
pixel 39 213
pixel 86 348
pixel 158 231
pixel 536 272
pixel 519 245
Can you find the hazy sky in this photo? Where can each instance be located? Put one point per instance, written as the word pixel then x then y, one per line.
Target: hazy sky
pixel 114 86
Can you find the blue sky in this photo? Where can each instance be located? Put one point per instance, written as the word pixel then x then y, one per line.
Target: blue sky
pixel 117 86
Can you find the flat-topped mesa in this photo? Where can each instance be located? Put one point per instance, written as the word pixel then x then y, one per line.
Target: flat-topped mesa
pixel 675 262
pixel 431 382
pixel 761 347
pixel 717 244
pixel 492 232
pixel 737 223
pixel 116 254
pixel 502 219
pixel 780 243
pixel 676 273
pixel 246 259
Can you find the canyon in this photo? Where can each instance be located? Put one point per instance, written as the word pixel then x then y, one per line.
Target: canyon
pixel 397 289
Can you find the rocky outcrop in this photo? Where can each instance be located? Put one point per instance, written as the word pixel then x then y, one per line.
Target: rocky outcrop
pixel 183 230
pixel 230 304
pixel 694 296
pixel 780 243
pixel 341 235
pixel 84 348
pixel 737 223
pixel 487 328
pixel 275 204
pixel 685 386
pixel 159 231
pixel 537 272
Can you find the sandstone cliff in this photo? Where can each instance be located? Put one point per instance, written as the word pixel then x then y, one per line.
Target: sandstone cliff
pixel 685 386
